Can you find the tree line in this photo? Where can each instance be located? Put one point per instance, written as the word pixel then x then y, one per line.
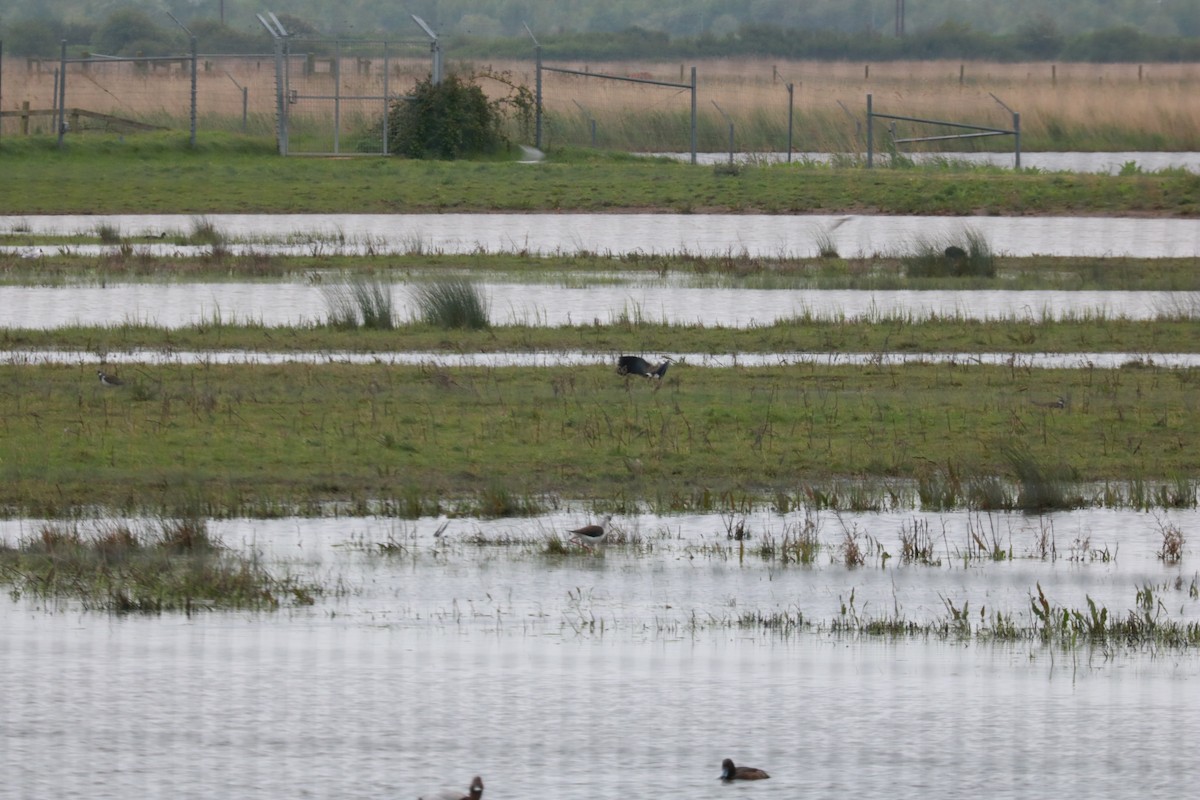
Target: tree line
pixel 130 31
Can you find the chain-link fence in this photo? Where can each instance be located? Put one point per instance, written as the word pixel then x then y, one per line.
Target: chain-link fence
pixel 231 93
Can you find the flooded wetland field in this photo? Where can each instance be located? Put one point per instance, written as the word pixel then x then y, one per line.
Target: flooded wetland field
pixel 249 551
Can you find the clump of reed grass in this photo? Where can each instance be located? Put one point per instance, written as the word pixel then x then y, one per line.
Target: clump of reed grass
pixel 826 244
pixel 1171 551
pixel 917 544
pixel 968 257
pixel 451 303
pixel 174 566
pixel 108 233
pixel 1042 487
pixel 204 231
pixel 499 501
pixel 360 304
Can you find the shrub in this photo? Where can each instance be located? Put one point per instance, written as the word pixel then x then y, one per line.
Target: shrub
pixel 447 120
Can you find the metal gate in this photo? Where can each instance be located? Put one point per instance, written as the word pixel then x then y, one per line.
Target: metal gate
pixel 333 95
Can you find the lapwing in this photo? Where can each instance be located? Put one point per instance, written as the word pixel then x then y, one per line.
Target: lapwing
pixel 109 380
pixel 636 365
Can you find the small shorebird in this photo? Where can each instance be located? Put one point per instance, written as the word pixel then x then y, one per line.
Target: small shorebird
pixel 590 535
pixel 475 793
pixel 731 773
pixel 109 380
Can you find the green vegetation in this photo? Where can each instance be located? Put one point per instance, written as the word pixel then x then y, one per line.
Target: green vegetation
pixel 451 303
pixel 1170 333
pixel 229 174
pixel 360 304
pixel 279 439
pixel 174 566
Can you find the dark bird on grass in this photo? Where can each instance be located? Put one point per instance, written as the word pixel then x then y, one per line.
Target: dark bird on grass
pixel 475 793
pixel 109 380
pixel 590 535
pixel 731 773
pixel 636 365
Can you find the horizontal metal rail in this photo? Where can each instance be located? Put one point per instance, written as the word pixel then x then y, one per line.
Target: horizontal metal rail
pixel 981 131
pixel 616 77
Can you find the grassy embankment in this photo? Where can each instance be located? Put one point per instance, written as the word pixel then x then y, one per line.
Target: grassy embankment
pixel 268 440
pixel 160 174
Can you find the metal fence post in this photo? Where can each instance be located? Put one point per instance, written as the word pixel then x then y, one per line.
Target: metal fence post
pixel 693 115
pixel 791 87
pixel 537 136
pixel 1017 138
pixel 870 135
pixel 61 119
pixel 193 114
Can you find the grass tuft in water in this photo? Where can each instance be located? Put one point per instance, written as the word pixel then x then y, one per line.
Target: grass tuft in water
pixel 357 304
pixel 173 566
pixel 452 304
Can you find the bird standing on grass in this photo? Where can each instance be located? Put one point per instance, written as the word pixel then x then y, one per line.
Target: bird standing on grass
pixel 731 773
pixel 475 793
pixel 109 380
pixel 590 535
pixel 636 365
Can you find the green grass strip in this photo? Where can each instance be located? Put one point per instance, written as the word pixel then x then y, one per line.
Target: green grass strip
pixel 220 440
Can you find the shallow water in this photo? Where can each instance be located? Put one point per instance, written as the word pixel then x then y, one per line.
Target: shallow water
pixel 763 235
pixel 1104 163
pixel 176 305
pixel 577 358
pixel 605 676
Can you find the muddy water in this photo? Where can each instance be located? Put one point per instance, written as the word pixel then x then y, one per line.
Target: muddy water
pixel 608 676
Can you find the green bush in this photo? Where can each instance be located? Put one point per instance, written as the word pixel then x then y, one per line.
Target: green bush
pixel 447 120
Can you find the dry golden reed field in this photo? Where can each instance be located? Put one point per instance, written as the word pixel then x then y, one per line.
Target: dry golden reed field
pixel 1154 99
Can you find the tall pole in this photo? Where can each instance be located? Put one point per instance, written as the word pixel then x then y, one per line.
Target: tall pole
pixel 62 93
pixel 791 87
pixel 693 116
pixel 537 136
pixel 193 111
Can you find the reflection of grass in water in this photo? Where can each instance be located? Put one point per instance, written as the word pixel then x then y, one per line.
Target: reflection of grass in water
pixel 177 566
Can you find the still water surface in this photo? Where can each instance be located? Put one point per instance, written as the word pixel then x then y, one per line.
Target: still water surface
pixel 605 676
pixel 176 305
pixel 764 235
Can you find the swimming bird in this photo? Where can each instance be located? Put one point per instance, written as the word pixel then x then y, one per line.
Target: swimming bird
pixel 590 535
pixel 636 365
pixel 475 793
pixel 109 380
pixel 731 773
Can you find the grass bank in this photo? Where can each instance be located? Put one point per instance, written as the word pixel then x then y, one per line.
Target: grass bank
pixel 410 440
pixel 1170 333
pixel 228 174
pixel 129 260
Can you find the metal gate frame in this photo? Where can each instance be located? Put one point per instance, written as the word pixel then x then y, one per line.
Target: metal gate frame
pixel 980 130
pixel 285 96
